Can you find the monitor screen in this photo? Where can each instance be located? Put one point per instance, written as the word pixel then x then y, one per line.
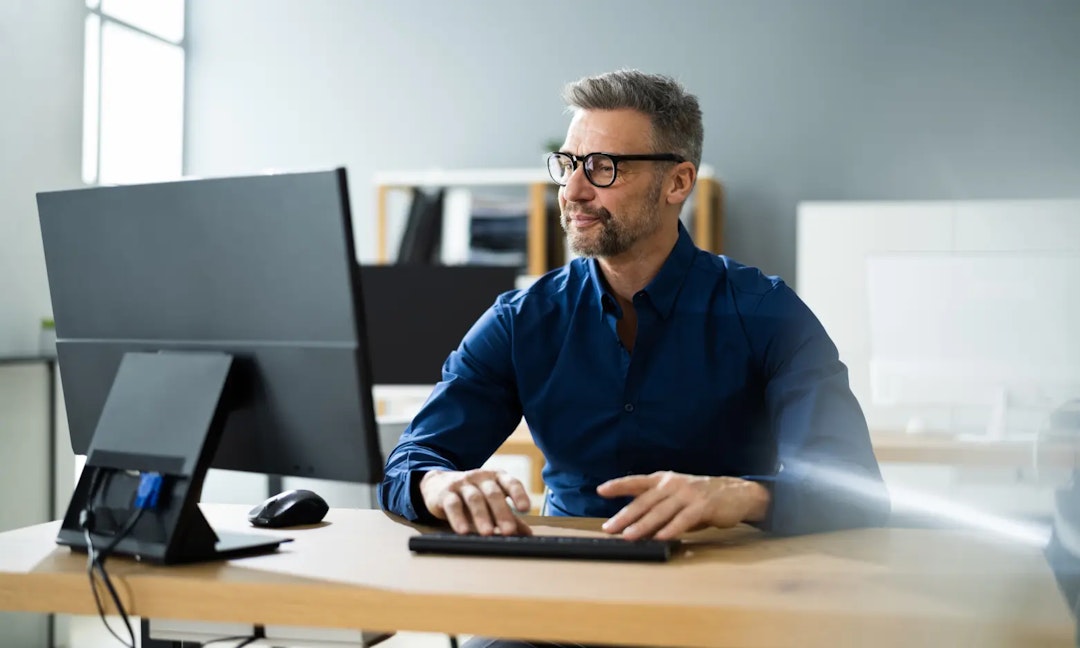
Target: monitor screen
pixel 261 268
pixel 419 314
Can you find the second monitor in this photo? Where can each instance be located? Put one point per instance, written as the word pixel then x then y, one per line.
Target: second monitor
pixel 417 315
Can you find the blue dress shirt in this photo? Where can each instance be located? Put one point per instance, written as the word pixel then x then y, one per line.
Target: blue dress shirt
pixel 730 374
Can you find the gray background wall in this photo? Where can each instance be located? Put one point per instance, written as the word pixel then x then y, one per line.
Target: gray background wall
pixel 803 99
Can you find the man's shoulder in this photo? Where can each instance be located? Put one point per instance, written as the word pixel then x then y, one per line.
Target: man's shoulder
pixel 742 280
pixel 556 287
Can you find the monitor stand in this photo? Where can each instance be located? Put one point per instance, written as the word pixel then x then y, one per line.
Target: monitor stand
pixel 165 413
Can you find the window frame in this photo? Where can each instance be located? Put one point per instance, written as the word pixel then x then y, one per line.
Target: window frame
pixel 94 9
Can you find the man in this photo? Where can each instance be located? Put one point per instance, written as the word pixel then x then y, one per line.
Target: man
pixel 669 389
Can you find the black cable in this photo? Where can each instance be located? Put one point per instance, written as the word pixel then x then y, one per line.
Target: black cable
pixel 91 563
pixel 99 561
pixel 93 583
pixel 96 559
pixel 86 520
pixel 128 527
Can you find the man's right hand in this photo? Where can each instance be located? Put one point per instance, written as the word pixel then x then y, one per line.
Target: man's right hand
pixel 476 500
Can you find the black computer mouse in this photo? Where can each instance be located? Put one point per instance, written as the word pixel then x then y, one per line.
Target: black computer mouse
pixel 289 508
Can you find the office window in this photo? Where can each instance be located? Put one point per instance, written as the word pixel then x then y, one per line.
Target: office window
pixel 133 103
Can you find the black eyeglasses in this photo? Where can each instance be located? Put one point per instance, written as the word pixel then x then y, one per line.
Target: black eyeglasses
pixel 600 168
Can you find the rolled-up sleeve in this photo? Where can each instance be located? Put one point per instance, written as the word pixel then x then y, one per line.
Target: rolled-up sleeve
pixel 465 419
pixel 826 476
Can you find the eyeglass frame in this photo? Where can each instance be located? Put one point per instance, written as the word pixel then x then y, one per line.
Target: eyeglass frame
pixel 615 159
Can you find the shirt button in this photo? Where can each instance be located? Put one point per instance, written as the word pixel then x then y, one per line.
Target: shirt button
pixel 629 407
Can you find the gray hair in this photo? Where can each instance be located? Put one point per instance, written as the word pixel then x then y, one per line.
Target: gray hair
pixel 674 112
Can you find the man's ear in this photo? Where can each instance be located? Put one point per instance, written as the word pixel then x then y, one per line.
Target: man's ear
pixel 680 183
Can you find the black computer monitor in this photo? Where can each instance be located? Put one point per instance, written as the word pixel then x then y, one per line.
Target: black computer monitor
pixel 210 322
pixel 419 314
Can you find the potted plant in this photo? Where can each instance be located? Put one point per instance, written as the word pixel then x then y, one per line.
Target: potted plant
pixel 47 344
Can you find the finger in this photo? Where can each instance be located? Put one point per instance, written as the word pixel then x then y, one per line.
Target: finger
pixel 634 510
pixel 657 517
pixel 501 514
pixel 630 486
pixel 477 506
pixel 454 509
pixel 687 519
pixel 516 491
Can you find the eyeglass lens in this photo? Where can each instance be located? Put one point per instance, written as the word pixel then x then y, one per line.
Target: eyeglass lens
pixel 599 168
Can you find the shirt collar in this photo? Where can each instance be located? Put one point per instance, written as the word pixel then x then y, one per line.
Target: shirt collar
pixel 599 286
pixel 664 287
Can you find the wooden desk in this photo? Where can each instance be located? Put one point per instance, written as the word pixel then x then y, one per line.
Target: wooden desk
pixel 880 587
pixel 890 447
pixel 897 447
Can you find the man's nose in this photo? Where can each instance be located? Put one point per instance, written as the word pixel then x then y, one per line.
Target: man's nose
pixel 578 188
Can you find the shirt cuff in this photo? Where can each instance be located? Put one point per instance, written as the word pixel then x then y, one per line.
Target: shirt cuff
pixel 419 511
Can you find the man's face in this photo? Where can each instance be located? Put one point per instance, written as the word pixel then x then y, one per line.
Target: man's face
pixel 609 221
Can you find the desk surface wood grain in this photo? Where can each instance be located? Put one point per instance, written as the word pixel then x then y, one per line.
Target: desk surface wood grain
pixel 737 587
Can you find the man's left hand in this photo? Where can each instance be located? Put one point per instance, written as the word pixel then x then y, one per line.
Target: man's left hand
pixel 667 504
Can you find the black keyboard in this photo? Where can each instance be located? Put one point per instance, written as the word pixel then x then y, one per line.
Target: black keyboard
pixel 565 547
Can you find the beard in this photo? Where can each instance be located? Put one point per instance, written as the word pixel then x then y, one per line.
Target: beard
pixel 614 235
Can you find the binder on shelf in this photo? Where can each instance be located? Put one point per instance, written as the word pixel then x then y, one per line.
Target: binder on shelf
pixel 423 229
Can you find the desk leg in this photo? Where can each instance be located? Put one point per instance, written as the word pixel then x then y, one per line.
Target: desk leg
pixel 51 365
pixel 50 375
